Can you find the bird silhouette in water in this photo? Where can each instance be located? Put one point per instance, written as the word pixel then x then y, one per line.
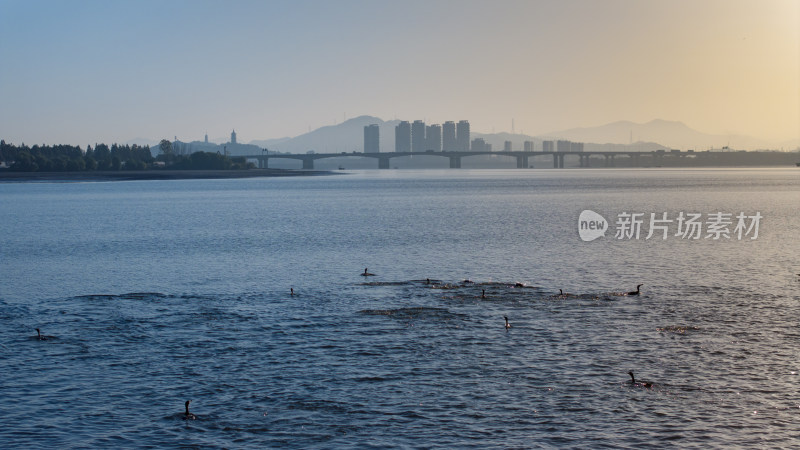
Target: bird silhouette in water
pixel 291 291
pixel 483 293
pixel 640 383
pixel 187 415
pixel 367 274
pixel 508 325
pixel 40 336
pixel 636 292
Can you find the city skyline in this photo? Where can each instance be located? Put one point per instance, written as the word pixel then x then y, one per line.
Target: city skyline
pixel 90 71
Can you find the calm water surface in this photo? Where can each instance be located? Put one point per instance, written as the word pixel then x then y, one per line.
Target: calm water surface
pixel 159 292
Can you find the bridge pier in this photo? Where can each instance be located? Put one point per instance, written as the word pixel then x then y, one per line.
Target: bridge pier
pixel 308 163
pixel 383 162
pixel 455 162
pixel 610 161
pixel 522 162
pixel 635 159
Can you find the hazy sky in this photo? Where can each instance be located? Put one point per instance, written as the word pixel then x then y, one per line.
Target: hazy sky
pixel 80 72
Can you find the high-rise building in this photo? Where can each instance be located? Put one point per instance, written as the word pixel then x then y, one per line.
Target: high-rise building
pixel 449 143
pixel 206 141
pixel 562 146
pixel 433 138
pixel 528 146
pixel 402 137
pixel 462 136
pixel 372 138
pixel 576 146
pixel 547 146
pixel 507 146
pixel 418 136
pixel 480 145
pixel 233 137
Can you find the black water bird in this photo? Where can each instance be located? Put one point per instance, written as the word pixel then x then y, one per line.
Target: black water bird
pixel 367 274
pixel 640 383
pixel 187 415
pixel 560 292
pixel 508 325
pixel 40 336
pixel 483 293
pixel 636 292
pixel 519 285
pixel 291 291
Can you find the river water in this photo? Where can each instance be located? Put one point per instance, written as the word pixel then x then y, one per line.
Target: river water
pixel 158 292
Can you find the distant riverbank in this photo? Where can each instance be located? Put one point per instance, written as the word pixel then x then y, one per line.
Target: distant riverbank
pixel 8 176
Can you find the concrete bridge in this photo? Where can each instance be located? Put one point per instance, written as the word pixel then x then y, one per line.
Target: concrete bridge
pixel 522 157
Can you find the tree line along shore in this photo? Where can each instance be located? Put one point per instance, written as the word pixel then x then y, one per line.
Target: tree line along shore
pixel 104 158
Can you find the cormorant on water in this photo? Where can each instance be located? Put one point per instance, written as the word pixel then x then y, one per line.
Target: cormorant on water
pixel 367 274
pixel 636 292
pixel 508 325
pixel 560 292
pixel 642 383
pixel 187 415
pixel 291 291
pixel 519 285
pixel 40 336
pixel 483 293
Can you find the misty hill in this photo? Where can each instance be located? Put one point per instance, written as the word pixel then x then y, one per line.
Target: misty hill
pixel 671 134
pixel 347 136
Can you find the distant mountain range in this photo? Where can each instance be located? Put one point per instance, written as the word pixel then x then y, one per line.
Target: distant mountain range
pixel 348 136
pixel 670 134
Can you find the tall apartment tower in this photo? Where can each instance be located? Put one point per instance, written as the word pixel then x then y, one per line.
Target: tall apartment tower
pixel 233 137
pixel 507 146
pixel 547 146
pixel 449 143
pixel 372 138
pixel 462 136
pixel 563 146
pixel 433 138
pixel 418 136
pixel 402 137
pixel 528 146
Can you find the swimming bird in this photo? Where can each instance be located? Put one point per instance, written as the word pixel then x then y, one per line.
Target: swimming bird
pixel 367 274
pixel 560 292
pixel 40 336
pixel 636 292
pixel 641 383
pixel 508 325
pixel 291 291
pixel 519 285
pixel 187 415
pixel 483 293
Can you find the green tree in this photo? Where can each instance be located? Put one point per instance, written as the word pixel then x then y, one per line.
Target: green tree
pixel 165 146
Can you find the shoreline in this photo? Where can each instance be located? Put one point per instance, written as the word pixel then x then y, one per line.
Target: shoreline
pixel 140 175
